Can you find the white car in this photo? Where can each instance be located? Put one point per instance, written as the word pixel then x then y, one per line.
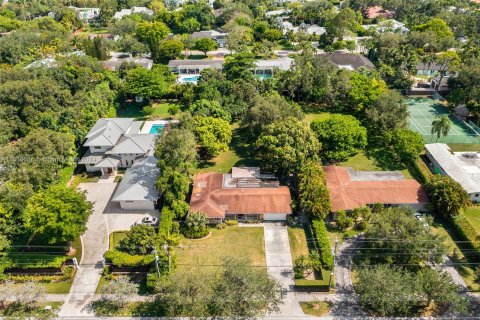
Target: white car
pixel 419 216
pixel 148 220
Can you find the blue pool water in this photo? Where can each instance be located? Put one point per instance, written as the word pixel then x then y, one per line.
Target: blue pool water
pixel 156 128
pixel 193 79
pixel 263 76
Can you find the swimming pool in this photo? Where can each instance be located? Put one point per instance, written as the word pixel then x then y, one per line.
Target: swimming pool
pixel 263 76
pixel 156 128
pixel 192 79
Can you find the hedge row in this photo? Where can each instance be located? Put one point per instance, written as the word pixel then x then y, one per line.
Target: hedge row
pixel 312 285
pixel 122 259
pixel 421 170
pixel 34 260
pixel 323 245
pixel 466 231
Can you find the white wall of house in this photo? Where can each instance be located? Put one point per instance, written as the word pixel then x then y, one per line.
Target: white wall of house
pixel 137 205
pixel 275 216
pixel 90 168
pixel 127 159
pixel 475 197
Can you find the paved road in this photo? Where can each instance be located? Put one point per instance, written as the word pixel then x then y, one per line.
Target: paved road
pixel 95 243
pixel 280 266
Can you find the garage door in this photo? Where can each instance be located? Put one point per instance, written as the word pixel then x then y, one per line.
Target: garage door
pixel 137 205
pixel 275 216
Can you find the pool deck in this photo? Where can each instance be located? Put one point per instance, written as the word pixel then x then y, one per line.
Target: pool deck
pixel 147 125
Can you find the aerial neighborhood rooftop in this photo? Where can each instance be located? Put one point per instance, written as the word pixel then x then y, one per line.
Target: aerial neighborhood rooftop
pixel 239 159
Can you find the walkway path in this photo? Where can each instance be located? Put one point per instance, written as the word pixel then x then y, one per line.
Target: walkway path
pixel 280 266
pixel 448 267
pixel 94 243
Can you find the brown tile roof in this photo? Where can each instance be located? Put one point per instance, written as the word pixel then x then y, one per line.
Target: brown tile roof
pixel 376 11
pixel 346 194
pixel 209 196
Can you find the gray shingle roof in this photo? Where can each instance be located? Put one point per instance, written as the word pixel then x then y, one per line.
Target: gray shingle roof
pixel 346 60
pixel 134 143
pixel 138 183
pixel 107 131
pixel 218 64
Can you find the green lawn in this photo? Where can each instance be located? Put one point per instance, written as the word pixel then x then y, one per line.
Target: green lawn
pixel 362 162
pixel 77 247
pixel 15 312
pixel 132 309
pixel 138 111
pixel 473 216
pixel 309 117
pixel 454 252
pixel 464 147
pixel 237 155
pixel 62 287
pixel 115 238
pixel 236 242
pixel 298 242
pixel 315 308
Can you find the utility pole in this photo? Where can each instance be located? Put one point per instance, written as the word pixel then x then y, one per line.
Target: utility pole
pixel 156 261
pixel 333 263
pixel 167 248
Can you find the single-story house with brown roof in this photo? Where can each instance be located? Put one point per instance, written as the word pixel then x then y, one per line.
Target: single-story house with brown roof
pixel 350 189
pixel 245 194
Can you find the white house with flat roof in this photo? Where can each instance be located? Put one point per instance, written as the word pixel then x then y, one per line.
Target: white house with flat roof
pixel 265 68
pixel 86 14
pixel 126 12
pixel 463 167
pixel 219 37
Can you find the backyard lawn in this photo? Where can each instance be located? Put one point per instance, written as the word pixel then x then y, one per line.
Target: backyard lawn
pixel 464 147
pixel 154 111
pixel 362 162
pixel 473 216
pixel 236 242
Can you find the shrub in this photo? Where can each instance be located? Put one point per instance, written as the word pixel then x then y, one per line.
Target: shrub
pixel 140 239
pixel 343 221
pixel 231 222
pixel 220 226
pixel 321 240
pixel 35 260
pixel 466 231
pixel 152 282
pixel 122 259
pixel 196 225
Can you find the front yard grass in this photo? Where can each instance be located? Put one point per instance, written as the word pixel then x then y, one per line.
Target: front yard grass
pixel 473 216
pixel 454 252
pixel 298 242
pixel 115 238
pixel 132 309
pixel 15 312
pixel 236 242
pixel 316 308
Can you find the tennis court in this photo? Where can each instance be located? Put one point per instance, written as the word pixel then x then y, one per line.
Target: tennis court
pixel 422 113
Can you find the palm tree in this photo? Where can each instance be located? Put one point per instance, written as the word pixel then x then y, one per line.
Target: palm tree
pixel 441 126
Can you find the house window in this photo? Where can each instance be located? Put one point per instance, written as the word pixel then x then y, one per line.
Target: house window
pixel 97 147
pixel 476 195
pixel 129 201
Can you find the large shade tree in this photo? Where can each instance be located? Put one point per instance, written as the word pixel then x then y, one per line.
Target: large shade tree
pixel 312 189
pixel 447 195
pixel 341 137
pixel 285 146
pixel 57 214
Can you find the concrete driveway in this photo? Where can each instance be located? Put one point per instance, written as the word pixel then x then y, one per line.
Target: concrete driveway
pixel 118 219
pixel 280 266
pixel 95 243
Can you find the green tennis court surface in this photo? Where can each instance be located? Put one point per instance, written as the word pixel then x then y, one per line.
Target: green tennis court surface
pixel 422 113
